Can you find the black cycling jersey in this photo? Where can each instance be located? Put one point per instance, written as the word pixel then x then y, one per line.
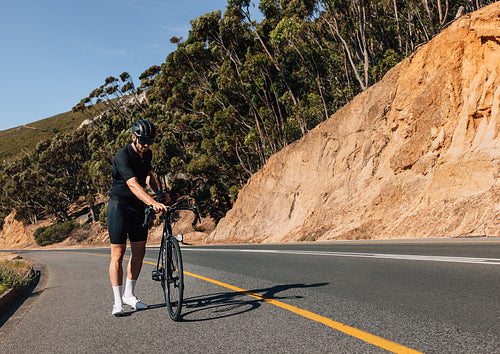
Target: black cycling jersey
pixel 127 163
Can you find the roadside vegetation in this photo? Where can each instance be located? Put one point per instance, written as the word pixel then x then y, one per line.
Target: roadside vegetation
pixel 14 274
pixel 55 233
pixel 233 93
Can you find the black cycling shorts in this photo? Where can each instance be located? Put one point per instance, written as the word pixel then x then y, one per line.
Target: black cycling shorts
pixel 125 217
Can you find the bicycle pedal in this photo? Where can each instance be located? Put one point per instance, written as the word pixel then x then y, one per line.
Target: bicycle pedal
pixel 156 275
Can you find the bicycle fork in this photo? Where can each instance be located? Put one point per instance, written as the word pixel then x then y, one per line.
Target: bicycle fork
pixel 158 272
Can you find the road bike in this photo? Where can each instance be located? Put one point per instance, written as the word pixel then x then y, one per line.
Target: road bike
pixel 169 267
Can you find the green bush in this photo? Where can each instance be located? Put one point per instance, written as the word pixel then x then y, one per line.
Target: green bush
pixel 14 274
pixel 3 215
pixel 55 233
pixel 103 216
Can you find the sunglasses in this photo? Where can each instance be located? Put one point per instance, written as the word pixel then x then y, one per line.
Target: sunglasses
pixel 145 141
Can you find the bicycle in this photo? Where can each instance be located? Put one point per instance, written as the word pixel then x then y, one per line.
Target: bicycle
pixel 169 267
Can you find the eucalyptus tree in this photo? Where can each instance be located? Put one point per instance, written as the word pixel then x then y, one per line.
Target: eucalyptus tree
pixel 24 186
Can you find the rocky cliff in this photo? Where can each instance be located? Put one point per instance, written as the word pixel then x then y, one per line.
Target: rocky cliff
pixel 14 235
pixel 415 156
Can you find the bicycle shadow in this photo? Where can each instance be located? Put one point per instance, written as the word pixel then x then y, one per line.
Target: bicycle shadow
pixel 227 304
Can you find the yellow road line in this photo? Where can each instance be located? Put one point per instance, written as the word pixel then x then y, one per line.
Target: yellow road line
pixel 354 332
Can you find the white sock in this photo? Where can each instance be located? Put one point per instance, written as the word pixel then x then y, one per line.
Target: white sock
pixel 129 288
pixel 117 291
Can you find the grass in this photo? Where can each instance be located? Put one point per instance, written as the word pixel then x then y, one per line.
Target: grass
pixel 15 141
pixel 24 138
pixel 14 273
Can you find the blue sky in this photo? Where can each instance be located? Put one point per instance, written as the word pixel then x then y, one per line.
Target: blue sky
pixel 55 52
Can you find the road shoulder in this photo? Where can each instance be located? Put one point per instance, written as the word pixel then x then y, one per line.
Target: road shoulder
pixel 16 302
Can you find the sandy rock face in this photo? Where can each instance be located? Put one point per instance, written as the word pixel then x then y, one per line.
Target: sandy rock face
pixel 417 155
pixel 14 235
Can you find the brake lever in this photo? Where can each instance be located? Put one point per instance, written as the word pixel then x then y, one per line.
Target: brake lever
pixel 196 216
pixel 148 211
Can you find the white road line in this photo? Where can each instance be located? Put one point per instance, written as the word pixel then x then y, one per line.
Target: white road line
pixel 470 260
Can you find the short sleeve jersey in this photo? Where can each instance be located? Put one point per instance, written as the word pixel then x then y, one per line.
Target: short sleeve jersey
pixel 127 164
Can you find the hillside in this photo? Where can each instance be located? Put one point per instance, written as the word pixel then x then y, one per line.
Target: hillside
pixel 24 138
pixel 415 156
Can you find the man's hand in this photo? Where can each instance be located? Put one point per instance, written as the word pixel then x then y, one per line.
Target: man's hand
pixel 159 207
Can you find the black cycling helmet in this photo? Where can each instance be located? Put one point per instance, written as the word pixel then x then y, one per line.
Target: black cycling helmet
pixel 144 129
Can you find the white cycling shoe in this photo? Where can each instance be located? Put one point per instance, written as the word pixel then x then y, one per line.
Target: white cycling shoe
pixel 117 310
pixel 133 302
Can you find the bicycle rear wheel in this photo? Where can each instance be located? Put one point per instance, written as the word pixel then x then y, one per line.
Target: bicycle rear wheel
pixel 173 277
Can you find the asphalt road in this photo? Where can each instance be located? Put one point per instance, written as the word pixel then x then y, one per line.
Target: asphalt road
pixel 339 297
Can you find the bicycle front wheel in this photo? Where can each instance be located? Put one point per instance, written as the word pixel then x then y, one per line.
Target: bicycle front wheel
pixel 173 277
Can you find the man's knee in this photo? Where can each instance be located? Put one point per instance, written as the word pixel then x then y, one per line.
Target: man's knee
pixel 138 249
pixel 117 253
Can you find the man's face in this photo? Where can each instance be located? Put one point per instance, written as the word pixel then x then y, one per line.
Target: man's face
pixel 142 145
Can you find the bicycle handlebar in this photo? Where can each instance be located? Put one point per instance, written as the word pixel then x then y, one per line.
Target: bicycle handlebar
pixel 193 209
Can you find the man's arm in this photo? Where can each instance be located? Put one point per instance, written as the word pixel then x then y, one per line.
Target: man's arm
pixel 155 186
pixel 139 192
pixel 153 182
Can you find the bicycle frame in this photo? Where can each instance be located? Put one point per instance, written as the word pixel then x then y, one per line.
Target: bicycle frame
pixel 167 224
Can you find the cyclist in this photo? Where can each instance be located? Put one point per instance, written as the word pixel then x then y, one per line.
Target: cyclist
pixel 131 172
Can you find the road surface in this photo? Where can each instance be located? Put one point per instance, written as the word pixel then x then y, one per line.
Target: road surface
pixel 340 297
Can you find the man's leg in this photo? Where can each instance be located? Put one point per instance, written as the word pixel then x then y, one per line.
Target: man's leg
pixel 135 263
pixel 116 275
pixel 116 264
pixel 133 270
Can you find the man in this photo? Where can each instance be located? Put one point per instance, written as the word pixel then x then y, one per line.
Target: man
pixel 125 214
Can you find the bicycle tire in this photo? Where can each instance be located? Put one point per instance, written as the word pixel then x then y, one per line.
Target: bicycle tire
pixel 173 277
